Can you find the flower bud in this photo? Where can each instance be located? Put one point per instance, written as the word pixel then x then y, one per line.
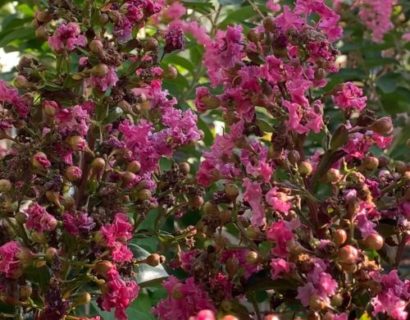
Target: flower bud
pixel 170 73
pixel 333 175
pixel 43 16
pixel 337 300
pixel 144 194
pixel 196 202
pixel 339 237
pixel 96 46
pixel 153 259
pixel 252 257
pixel 102 267
pixel 316 303
pixel 184 167
pixel 348 254
pixel 271 317
pixel 269 24
pixel 305 168
pixel 231 191
pixel 210 208
pixel 73 173
pixel 51 252
pixel 383 126
pixel 294 157
pixel 253 35
pixel 370 163
pixel 134 166
pixel 97 166
pixel 82 299
pixel 229 317
pixel 210 102
pixel 25 292
pixel 21 82
pixel 5 185
pixel 150 44
pixel 40 161
pixel 77 143
pixel 50 108
pixel 100 70
pixel 53 197
pixel 374 241
pixel 25 257
pixel 41 33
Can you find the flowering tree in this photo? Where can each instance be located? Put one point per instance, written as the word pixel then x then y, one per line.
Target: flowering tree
pixel 202 160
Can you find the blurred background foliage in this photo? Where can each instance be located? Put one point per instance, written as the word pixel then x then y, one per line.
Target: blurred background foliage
pixel 383 69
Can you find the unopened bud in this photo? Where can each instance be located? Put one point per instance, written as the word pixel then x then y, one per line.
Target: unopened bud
pixel 21 82
pixel 170 73
pixel 100 70
pixel 197 202
pixel 333 175
pixel 102 267
pixel 96 46
pixel 374 241
pixel 144 194
pixel 153 259
pixel 73 173
pixel 41 33
pixel 383 126
pixel 305 168
pixel 348 254
pixel 231 191
pixel 5 185
pixel 339 237
pixel 184 167
pixel 370 163
pixel 77 143
pixel 134 166
pixel 51 252
pixel 252 257
pixel 82 299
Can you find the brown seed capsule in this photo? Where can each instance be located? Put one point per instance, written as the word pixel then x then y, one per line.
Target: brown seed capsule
pixel 269 24
pixel 153 259
pixel 348 254
pixel 5 185
pixel 339 237
pixel 43 16
pixel 374 241
pixel 184 167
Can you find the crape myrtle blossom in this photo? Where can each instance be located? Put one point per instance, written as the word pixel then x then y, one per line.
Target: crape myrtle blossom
pixel 67 37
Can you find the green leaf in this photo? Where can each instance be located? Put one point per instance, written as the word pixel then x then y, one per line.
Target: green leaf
pixel 388 82
pixel 228 2
pixel 19 33
pixel 396 101
pixel 238 15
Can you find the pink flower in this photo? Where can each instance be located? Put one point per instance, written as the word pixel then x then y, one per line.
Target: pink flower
pixel 375 15
pixel 319 283
pixel 349 96
pixel 406 37
pixel 253 195
pixel 107 81
pixel 121 253
pixel 9 262
pixel 393 298
pixel 119 230
pixel 11 96
pixel 40 160
pixel 281 235
pixel 78 224
pixel 279 267
pixel 175 11
pixel 67 37
pixel 278 200
pixel 238 256
pixel 185 299
pixel 273 5
pixel 297 115
pixel 201 93
pixel 39 219
pixel 118 294
pixel 74 120
pixel 174 38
